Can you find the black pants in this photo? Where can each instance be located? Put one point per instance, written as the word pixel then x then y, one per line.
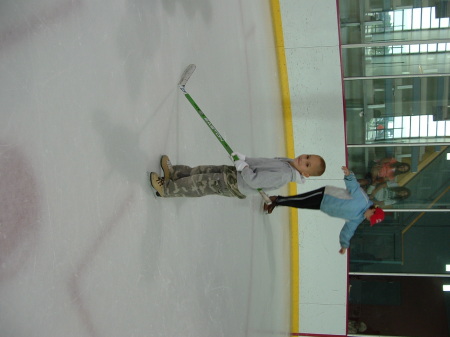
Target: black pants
pixel 310 200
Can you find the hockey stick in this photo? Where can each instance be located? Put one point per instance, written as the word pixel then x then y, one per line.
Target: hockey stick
pixel 182 85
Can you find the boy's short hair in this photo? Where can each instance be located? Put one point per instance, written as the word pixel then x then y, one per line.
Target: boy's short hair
pixel 322 167
pixel 309 165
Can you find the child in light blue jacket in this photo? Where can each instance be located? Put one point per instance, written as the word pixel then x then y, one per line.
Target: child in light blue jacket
pixel 351 204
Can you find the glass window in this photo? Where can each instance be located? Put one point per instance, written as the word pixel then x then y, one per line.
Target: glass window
pixel 398 306
pixel 376 109
pixel 406 129
pixel 434 20
pixel 426 18
pixel 441 129
pixel 398 22
pixel 407 14
pixel 442 47
pixel 432 125
pixel 416 18
pixel 397 99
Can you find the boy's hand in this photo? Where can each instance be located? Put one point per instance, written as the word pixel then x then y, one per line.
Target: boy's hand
pixel 342 250
pixel 239 155
pixel 346 170
pixel 240 165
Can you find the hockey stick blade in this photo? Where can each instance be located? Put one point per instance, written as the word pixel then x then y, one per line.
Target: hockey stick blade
pixel 186 75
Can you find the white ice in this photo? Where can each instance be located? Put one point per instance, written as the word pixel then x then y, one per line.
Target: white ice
pixel 89 102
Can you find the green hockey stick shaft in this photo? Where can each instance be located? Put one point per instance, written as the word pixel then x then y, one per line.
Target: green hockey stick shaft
pixel 210 125
pixel 218 135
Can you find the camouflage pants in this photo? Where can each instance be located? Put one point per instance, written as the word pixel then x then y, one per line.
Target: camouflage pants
pixel 202 180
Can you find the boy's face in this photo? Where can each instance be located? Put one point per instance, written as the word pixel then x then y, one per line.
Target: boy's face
pixel 307 164
pixel 368 213
pixel 403 168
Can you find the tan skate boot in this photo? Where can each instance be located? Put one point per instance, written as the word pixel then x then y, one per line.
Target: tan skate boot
pixel 269 208
pixel 166 166
pixel 157 183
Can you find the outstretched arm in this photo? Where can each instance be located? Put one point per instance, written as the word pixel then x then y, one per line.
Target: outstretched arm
pixel 346 235
pixel 350 180
pixel 346 170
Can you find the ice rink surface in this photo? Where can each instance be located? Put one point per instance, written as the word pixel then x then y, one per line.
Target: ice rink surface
pixel 89 104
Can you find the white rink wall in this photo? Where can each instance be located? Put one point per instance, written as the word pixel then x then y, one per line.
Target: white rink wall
pixel 311 40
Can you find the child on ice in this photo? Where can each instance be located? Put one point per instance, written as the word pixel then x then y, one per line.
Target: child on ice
pixel 244 178
pixel 351 204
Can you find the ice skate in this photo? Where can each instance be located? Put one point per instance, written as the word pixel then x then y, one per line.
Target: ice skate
pixel 157 183
pixel 269 208
pixel 166 166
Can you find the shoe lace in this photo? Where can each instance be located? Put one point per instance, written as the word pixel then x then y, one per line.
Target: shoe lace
pixel 160 181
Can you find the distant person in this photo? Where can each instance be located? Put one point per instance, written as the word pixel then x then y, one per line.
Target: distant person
pixel 387 194
pixel 383 170
pixel 351 204
pixel 245 178
pixel 355 327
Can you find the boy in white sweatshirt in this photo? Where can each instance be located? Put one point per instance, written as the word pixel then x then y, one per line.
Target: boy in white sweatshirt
pixel 244 178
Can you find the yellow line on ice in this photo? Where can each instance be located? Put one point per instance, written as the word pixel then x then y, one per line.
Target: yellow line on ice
pixel 290 152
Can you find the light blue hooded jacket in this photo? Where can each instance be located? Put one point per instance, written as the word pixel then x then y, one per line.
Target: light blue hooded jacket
pixel 349 204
